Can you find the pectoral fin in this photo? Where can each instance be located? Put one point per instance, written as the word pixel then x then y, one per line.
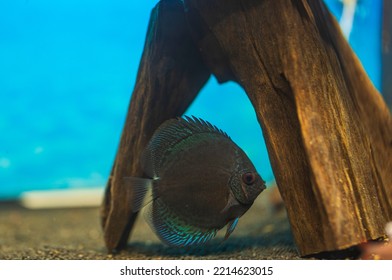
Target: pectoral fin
pixel 231 202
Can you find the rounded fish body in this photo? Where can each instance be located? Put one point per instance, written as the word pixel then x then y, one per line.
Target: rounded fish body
pixel 201 181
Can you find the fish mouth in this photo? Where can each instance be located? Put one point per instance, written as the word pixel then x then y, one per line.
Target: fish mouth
pixel 263 185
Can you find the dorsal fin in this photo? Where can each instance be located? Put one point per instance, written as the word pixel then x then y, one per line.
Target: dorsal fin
pixel 197 125
pixel 170 133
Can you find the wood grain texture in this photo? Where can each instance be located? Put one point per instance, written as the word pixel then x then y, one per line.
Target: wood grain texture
pixel 170 75
pixel 327 129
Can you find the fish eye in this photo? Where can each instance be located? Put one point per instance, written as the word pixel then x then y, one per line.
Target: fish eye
pixel 248 178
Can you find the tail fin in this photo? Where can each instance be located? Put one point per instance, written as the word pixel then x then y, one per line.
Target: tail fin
pixel 140 187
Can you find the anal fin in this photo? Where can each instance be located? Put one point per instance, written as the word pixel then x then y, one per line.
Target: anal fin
pixel 173 230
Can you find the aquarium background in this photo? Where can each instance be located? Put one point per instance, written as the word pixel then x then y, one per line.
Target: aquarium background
pixel 67 70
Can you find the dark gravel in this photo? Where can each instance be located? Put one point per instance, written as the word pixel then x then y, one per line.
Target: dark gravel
pixel 262 233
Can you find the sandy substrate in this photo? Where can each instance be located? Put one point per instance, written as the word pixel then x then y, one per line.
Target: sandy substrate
pixel 262 233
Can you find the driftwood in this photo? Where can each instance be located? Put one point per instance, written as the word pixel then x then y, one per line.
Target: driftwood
pixel 327 129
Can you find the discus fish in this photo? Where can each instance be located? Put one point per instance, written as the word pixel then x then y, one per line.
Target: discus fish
pixel 200 180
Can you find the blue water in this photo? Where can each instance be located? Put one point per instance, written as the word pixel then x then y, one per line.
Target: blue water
pixel 67 69
pixel 365 37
